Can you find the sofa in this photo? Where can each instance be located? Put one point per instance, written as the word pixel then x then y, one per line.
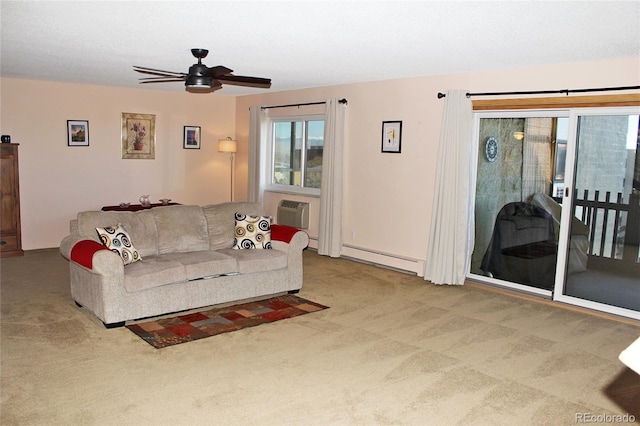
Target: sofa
pixel 177 258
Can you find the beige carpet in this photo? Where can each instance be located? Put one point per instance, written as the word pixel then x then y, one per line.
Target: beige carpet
pixel 391 350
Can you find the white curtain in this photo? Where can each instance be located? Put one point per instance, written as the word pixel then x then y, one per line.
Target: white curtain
pixel 451 236
pixel 257 153
pixel 330 227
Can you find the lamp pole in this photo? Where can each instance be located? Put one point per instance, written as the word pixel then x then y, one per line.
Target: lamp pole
pixel 232 164
pixel 228 145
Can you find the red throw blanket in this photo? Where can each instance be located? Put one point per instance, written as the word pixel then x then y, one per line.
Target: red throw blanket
pixel 282 232
pixel 82 253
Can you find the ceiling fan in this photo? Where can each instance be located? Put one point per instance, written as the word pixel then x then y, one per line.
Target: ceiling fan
pixel 202 77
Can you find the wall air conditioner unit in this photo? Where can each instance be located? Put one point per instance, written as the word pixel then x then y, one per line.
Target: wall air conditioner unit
pixel 293 213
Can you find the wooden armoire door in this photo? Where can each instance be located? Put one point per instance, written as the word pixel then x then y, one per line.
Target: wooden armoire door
pixel 10 232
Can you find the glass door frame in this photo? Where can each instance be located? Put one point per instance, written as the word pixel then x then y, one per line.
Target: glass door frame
pixel 567 212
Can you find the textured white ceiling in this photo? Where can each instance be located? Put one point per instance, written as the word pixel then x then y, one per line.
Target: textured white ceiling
pixel 300 44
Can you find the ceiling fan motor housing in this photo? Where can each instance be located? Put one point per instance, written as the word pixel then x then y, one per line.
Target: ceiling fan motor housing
pixel 197 77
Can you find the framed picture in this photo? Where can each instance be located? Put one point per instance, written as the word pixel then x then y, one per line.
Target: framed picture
pixel 392 136
pixel 191 137
pixel 77 133
pixel 138 136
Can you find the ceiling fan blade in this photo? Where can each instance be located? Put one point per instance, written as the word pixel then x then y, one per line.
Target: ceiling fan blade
pixel 171 77
pixel 164 80
pixel 158 72
pixel 218 71
pixel 240 80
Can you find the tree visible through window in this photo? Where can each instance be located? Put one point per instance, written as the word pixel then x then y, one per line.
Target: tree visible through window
pixel 297 153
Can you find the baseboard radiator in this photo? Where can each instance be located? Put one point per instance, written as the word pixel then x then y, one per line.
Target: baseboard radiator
pixel 293 213
pixel 380 258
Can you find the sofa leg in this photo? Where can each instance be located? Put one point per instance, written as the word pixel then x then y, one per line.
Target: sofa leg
pixel 114 325
pixel 294 291
pixel 77 304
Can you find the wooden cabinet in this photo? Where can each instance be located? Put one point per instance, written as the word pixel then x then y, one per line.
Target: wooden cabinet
pixel 10 233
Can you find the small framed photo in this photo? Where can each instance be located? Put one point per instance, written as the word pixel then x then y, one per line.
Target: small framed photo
pixel 77 133
pixel 191 137
pixel 392 136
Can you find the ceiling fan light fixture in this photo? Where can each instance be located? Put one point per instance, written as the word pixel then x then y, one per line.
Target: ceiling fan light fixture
pixel 198 82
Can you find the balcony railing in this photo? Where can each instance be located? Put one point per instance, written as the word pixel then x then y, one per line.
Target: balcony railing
pixel 614 226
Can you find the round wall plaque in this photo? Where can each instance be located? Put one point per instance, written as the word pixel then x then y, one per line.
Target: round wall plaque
pixel 491 149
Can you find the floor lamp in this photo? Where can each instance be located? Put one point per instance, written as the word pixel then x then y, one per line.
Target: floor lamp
pixel 228 145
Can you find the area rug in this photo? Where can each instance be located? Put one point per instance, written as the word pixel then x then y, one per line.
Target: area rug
pixel 210 322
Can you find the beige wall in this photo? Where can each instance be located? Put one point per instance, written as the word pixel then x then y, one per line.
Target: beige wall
pixel 388 197
pixel 57 181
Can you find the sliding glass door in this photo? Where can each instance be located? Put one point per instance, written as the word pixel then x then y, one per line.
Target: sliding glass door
pixel 600 254
pixel 520 172
pixel 533 233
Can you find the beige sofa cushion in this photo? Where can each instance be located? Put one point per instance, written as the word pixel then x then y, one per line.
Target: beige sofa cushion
pixel 180 229
pixel 253 260
pixel 153 271
pixel 221 221
pixel 140 225
pixel 206 263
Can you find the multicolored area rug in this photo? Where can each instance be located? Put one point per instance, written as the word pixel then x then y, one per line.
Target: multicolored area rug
pixel 193 326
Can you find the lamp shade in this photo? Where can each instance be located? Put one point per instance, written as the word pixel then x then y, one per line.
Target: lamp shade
pixel 227 145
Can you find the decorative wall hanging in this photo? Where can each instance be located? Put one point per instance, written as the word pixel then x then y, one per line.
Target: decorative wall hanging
pixel 77 133
pixel 491 149
pixel 138 136
pixel 392 136
pixel 191 137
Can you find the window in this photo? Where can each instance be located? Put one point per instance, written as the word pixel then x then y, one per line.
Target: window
pixel 296 146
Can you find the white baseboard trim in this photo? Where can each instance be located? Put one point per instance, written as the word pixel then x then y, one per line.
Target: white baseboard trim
pixel 313 243
pixel 389 260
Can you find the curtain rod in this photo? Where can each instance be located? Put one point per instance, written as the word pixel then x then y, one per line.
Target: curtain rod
pixel 342 101
pixel 542 92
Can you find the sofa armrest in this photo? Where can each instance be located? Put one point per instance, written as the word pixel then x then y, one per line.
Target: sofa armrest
pixel 91 255
pixel 284 233
pixel 293 242
pixel 83 252
pixel 66 245
pixel 289 239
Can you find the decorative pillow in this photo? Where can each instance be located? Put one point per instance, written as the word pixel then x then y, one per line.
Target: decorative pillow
pixel 252 232
pixel 117 239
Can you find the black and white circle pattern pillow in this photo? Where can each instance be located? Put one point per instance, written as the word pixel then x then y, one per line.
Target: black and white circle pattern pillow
pixel 252 232
pixel 117 239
